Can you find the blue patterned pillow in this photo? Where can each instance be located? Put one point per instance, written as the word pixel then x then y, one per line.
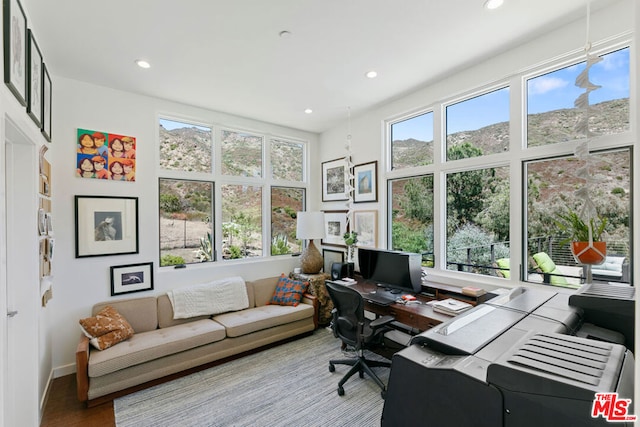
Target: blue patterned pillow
pixel 288 291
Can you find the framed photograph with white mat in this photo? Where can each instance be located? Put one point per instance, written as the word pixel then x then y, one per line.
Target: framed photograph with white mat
pixel 106 225
pixel 131 278
pixel 335 225
pixel 365 223
pixel 335 180
pixel 365 182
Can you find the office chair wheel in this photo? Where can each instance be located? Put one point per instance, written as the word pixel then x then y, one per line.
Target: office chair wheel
pixel 340 391
pixel 332 367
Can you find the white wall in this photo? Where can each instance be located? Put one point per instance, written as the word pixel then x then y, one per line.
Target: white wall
pixel 79 283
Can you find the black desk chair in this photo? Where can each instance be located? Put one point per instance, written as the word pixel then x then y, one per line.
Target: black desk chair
pixel 350 325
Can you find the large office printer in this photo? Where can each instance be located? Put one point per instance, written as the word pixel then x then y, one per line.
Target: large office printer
pixel 516 361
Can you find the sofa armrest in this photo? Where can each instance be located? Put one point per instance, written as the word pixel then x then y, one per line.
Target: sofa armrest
pixel 82 369
pixel 625 273
pixel 313 301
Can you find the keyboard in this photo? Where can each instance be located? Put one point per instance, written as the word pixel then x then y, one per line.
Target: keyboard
pixel 381 297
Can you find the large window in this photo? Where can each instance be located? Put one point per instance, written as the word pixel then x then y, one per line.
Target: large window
pixel 186 222
pixel 480 125
pixel 551 191
pixel 411 202
pixel 552 114
pixel 191 186
pixel 286 202
pixel 412 142
pixel 460 211
pixel 477 219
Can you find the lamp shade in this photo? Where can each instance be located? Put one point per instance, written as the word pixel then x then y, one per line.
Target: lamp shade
pixel 310 225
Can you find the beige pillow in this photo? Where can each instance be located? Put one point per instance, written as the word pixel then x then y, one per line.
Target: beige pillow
pixel 106 329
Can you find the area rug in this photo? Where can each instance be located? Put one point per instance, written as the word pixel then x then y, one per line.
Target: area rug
pixel 289 385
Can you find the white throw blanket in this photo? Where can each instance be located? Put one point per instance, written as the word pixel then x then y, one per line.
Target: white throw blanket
pixel 216 297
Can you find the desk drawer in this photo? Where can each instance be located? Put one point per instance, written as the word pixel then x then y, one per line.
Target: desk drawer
pixel 414 320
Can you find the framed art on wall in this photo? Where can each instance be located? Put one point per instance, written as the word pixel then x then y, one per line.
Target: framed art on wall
pixel 335 179
pixel 365 224
pixel 106 225
pixel 330 256
pixel 131 278
pixel 34 85
pixel 46 103
pixel 335 225
pixel 365 182
pixel 15 49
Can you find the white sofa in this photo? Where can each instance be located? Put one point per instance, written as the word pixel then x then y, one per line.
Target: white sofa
pixel 163 346
pixel 615 268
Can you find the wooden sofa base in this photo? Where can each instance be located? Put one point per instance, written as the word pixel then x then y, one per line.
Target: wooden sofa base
pixel 110 397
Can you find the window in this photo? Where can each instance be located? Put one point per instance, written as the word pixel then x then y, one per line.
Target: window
pixel 287 160
pixel 551 114
pixel 185 147
pixel 190 187
pixel 241 221
pixel 480 123
pixel 241 154
pixel 477 219
pixel 412 142
pixel 551 191
pixel 186 225
pixel 286 202
pixel 411 202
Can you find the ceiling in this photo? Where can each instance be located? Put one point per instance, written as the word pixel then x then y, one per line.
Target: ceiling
pixel 229 56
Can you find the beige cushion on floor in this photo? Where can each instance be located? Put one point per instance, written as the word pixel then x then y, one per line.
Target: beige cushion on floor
pixel 151 345
pixel 255 319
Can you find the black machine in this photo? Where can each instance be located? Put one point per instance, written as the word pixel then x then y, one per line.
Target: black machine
pixel 397 270
pixel 514 361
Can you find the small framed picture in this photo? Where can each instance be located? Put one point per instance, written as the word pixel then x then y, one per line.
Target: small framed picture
pixel 131 278
pixel 365 182
pixel 330 256
pixel 335 225
pixel 365 224
pixel 34 86
pixel 106 225
pixel 335 180
pixel 15 51
pixel 46 103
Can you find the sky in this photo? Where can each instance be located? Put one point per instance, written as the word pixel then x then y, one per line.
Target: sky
pixel 547 92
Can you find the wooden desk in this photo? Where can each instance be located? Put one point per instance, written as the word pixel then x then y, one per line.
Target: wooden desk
pixel 418 317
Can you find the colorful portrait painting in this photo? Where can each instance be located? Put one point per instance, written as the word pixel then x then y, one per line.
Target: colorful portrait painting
pixel 103 155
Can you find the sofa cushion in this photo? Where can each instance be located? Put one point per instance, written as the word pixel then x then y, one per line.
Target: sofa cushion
pixel 152 345
pixel 288 291
pixel 263 290
pixel 106 329
pixel 141 313
pixel 165 314
pixel 254 319
pixel 546 265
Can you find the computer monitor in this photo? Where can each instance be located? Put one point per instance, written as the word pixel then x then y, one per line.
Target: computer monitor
pixel 393 269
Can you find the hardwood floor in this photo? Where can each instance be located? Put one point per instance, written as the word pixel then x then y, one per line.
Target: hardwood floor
pixel 64 410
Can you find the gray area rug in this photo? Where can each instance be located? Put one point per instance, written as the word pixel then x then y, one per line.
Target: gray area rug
pixel 289 385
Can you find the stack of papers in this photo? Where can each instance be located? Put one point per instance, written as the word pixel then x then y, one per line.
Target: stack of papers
pixel 451 306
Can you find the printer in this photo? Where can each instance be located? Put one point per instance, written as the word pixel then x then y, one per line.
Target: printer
pixel 516 361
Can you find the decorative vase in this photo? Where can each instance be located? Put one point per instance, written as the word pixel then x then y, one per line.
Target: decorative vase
pixel 350 253
pixel 589 254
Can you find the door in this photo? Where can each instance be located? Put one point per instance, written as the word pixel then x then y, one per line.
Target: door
pixel 20 282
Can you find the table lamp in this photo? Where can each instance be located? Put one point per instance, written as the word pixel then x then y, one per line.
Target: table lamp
pixel 310 226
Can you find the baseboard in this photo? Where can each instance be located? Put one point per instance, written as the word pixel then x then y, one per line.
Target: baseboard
pixel 45 395
pixel 61 371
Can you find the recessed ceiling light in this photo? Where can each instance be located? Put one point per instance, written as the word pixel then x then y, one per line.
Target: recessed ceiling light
pixel 493 4
pixel 142 63
pixel 308 110
pixel 285 34
pixel 371 74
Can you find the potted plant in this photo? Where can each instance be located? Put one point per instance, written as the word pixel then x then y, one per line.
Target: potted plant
pixel 585 237
pixel 350 239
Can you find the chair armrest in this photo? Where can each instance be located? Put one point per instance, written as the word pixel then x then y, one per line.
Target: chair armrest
pixel 82 369
pixel 312 300
pixel 381 321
